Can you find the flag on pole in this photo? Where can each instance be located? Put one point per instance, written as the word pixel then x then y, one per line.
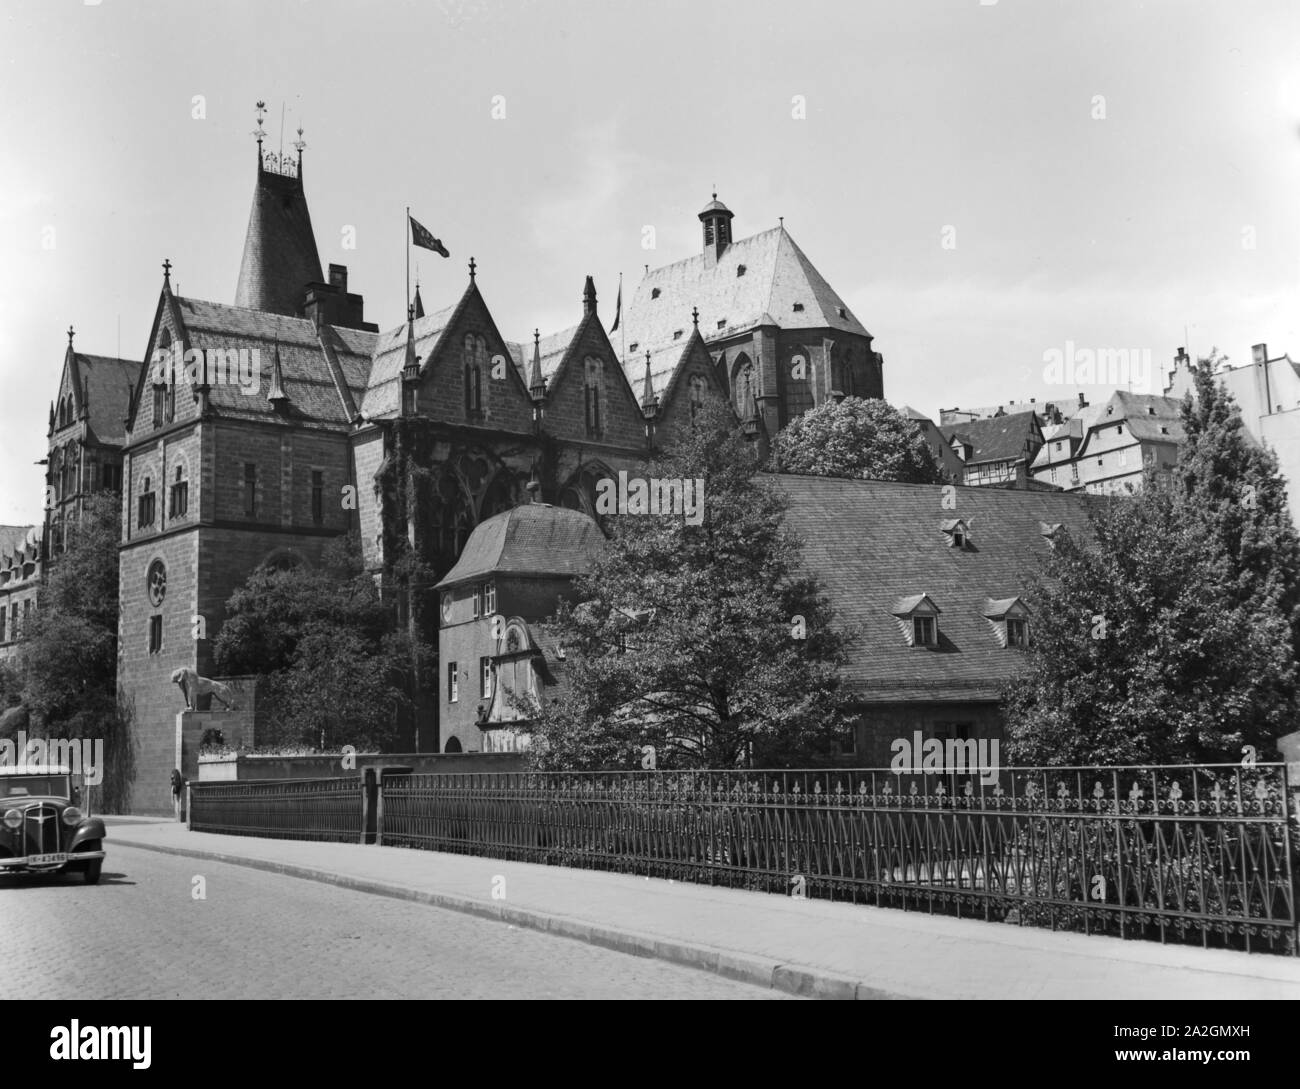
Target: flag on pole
pixel 618 306
pixel 421 237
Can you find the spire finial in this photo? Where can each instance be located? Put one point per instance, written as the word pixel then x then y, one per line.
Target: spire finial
pixel 70 334
pixel 299 143
pixel 260 134
pixel 167 270
pixel 410 311
pixel 473 265
pixel 695 316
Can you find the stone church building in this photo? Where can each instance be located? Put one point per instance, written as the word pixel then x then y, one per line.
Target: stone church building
pixel 254 432
pixel 286 419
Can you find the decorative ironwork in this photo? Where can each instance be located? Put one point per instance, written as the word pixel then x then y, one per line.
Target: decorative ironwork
pixel 285 165
pixel 316 809
pixel 1199 854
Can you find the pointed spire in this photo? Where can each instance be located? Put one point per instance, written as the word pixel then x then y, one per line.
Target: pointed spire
pixel 280 257
pixel 589 296
pixel 51 430
pixel 649 402
pixel 419 302
pixel 277 396
pixel 411 369
pixel 536 383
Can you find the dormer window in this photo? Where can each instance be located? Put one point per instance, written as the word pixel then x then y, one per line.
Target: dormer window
pixel 677 334
pixel 632 346
pixel 722 323
pixel 740 270
pixel 1009 618
pixel 654 293
pixel 1048 530
pixel 843 312
pixel 798 308
pixel 1151 410
pixel 957 530
pixel 918 620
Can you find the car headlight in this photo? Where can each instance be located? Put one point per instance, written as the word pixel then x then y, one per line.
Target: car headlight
pixel 13 818
pixel 71 816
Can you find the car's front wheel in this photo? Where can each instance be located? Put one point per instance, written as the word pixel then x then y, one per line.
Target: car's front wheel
pixel 92 866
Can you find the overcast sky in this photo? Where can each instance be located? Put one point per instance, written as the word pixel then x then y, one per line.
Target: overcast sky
pixel 925 120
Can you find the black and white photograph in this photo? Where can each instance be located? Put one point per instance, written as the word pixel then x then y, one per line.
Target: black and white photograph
pixel 661 500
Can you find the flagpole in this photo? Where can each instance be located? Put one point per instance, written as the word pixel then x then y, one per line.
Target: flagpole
pixel 622 325
pixel 408 259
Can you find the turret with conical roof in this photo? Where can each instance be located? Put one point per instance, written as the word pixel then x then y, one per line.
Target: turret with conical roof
pixel 280 256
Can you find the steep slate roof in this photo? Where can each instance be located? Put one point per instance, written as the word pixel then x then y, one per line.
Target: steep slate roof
pixel 12 538
pixel 110 382
pixel 874 544
pixel 777 275
pixel 533 539
pixel 383 395
pixel 308 378
pixel 551 348
pixel 999 439
pixel 280 257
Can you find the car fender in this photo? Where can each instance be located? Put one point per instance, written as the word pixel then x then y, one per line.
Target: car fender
pixel 87 830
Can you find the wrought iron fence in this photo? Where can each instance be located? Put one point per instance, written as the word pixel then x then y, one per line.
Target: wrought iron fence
pixel 1199 854
pixel 319 809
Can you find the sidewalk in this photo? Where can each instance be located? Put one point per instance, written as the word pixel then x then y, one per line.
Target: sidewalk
pixel 811 947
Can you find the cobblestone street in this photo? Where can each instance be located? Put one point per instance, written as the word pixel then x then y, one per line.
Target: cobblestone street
pixel 139 934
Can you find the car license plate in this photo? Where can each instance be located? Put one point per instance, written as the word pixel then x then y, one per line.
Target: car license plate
pixel 42 860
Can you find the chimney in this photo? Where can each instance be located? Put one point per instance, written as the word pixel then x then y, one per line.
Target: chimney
pixel 339 277
pixel 1082 402
pixel 1259 352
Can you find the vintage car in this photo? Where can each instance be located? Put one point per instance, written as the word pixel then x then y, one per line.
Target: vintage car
pixel 41 828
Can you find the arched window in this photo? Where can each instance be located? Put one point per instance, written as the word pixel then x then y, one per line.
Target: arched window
pixel 698 391
pixel 744 384
pixel 180 495
pixel 453 745
pixel 475 351
pixel 594 393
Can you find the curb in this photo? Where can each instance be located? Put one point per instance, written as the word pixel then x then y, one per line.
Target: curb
pixel 791 979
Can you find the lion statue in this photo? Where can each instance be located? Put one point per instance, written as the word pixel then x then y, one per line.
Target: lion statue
pixel 194 686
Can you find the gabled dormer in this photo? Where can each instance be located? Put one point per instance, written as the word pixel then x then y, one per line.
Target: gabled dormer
pixel 1008 618
pixel 956 532
pixel 918 620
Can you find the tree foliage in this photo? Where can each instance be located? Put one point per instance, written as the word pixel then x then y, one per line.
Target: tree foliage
pixel 862 439
pixel 68 661
pixel 333 667
pixel 1168 634
pixel 709 643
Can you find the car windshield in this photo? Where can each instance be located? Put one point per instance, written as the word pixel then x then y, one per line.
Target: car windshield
pixel 24 786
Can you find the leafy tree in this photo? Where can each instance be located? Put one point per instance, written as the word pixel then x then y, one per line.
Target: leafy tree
pixel 334 668
pixel 709 642
pixel 68 658
pixel 862 439
pixel 1167 635
pixel 1231 485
